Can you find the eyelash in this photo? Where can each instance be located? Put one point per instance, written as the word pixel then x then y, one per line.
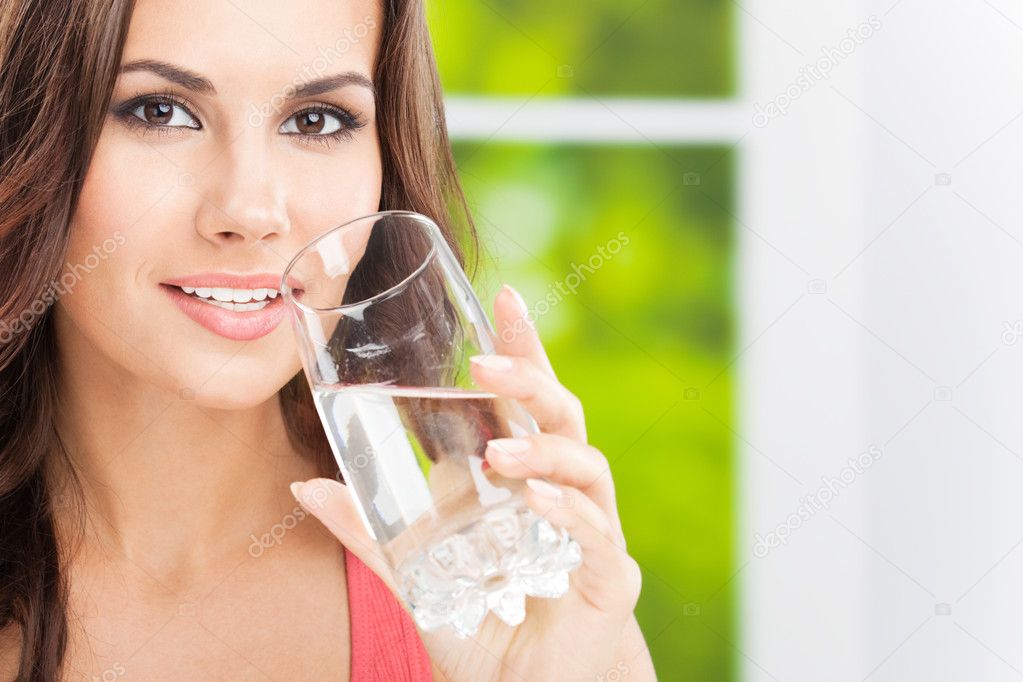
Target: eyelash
pixel 350 122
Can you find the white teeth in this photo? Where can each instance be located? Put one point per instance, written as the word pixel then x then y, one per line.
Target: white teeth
pixel 228 295
pixel 223 294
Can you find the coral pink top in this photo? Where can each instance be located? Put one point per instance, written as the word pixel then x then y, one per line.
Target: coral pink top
pixel 385 642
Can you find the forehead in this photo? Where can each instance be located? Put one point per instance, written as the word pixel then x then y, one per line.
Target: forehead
pixel 249 46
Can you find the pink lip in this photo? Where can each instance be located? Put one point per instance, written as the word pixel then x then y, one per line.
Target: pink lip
pixel 243 326
pixel 262 280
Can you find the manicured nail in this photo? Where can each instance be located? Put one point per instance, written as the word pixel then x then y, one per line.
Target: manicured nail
pixel 508 446
pixel 544 488
pixel 523 308
pixel 314 493
pixel 497 362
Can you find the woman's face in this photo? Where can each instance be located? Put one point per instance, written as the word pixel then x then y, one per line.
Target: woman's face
pixel 237 133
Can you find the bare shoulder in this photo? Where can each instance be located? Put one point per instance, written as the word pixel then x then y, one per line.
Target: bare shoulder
pixel 10 652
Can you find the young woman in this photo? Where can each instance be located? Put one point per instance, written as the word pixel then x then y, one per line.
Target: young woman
pixel 144 457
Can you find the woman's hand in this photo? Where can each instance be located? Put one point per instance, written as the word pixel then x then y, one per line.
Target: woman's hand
pixel 590 633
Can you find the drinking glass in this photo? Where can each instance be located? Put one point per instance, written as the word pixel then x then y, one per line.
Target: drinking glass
pixel 386 322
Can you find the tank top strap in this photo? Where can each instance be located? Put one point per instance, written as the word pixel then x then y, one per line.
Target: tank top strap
pixel 386 646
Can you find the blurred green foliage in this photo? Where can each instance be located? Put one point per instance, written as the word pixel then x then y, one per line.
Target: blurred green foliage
pixel 666 48
pixel 642 339
pixel 646 337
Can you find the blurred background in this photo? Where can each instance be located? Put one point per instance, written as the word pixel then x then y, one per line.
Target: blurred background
pixel 776 250
pixel 615 224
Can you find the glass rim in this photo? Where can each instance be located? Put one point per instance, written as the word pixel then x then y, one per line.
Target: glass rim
pixel 285 287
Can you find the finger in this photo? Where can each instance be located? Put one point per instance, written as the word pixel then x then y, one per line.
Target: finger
pixel 516 331
pixel 331 502
pixel 555 408
pixel 560 460
pixel 608 578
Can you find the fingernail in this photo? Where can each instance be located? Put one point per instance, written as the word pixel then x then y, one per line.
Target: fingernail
pixel 497 362
pixel 314 493
pixel 508 446
pixel 518 299
pixel 544 488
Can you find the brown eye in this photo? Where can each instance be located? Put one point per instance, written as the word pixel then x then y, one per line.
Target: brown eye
pixel 310 123
pixel 161 113
pixel 314 123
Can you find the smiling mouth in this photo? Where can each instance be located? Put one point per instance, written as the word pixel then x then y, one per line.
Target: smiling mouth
pixel 235 300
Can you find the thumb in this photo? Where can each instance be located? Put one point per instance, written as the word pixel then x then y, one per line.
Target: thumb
pixel 331 502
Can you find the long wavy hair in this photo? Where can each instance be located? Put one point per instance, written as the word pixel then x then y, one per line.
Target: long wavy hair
pixel 59 61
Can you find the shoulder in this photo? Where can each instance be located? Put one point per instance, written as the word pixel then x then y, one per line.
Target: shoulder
pixel 10 652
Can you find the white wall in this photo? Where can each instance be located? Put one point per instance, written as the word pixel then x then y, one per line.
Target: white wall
pixel 897 182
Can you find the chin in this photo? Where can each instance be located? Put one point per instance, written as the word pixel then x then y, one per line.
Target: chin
pixel 220 396
pixel 239 385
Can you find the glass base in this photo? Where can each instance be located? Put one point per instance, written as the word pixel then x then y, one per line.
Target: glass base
pixel 492 564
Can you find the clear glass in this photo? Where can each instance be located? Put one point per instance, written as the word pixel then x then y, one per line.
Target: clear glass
pixel 386 322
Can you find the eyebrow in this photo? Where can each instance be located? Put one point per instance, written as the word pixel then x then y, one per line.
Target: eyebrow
pixel 328 83
pixel 195 82
pixel 176 74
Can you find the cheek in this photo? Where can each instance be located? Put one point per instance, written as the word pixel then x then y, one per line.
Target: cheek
pixel 124 190
pixel 326 192
pixel 125 203
pixel 122 199
pixel 332 195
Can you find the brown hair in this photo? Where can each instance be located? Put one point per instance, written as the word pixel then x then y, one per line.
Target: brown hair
pixel 58 64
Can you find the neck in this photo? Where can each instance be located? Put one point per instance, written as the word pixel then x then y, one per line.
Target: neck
pixel 168 485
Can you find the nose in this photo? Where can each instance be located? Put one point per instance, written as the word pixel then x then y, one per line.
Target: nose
pixel 242 201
